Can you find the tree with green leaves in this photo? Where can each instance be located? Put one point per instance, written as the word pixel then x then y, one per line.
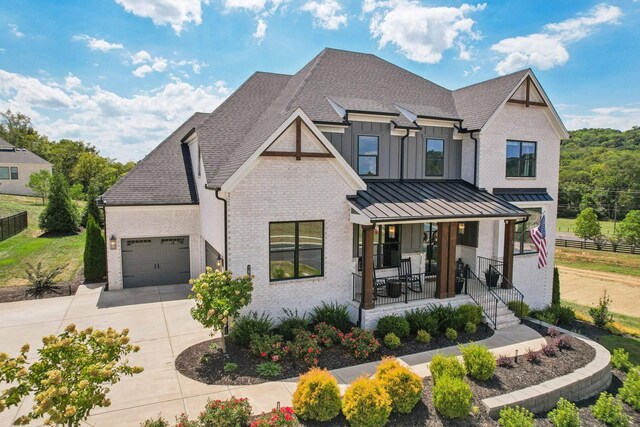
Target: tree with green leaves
pixel 91 208
pixel 60 215
pixel 71 376
pixel 555 296
pixel 587 225
pixel 94 252
pixel 629 228
pixel 39 183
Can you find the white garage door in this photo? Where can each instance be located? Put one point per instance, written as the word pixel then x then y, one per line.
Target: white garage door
pixel 155 261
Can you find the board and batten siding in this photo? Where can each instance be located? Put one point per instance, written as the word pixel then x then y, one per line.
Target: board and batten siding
pixel 389 150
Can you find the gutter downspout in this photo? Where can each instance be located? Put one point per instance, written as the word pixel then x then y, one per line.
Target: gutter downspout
pixel 226 233
pixel 101 203
pixel 475 158
pixel 402 155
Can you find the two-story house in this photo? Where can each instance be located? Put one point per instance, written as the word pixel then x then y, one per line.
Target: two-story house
pixel 354 181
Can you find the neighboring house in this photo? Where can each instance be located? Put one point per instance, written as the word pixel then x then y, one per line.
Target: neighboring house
pixel 16 166
pixel 320 183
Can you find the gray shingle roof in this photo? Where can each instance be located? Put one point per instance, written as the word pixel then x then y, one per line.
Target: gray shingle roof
pixel 163 177
pixel 10 154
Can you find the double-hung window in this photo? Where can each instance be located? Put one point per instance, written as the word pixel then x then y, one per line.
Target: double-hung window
pixel 386 245
pixel 296 250
pixel 522 243
pixel 368 151
pixel 434 159
pixel 521 159
pixel 14 172
pixel 4 172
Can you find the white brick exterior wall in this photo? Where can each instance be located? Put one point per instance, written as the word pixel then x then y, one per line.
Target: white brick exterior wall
pixel 126 222
pixel 19 186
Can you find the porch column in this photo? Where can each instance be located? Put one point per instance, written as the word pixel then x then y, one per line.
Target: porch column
pixel 507 255
pixel 367 266
pixel 446 275
pixel 451 265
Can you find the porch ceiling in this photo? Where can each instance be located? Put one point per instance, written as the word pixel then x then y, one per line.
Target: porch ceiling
pixel 422 200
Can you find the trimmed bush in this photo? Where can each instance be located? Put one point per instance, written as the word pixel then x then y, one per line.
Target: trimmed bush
pixel 450 366
pixel 423 336
pixel 565 414
pixel 95 266
pixel 452 397
pixel 271 347
pixel 396 325
pixel 630 391
pixel 366 403
pixel 520 309
pixel 470 313
pixel 609 411
pixel 555 315
pixel 516 417
pixel 620 359
pixel 317 396
pixel 306 347
pixel 334 314
pixel 404 387
pixel 249 324
pixel 421 319
pixel 451 334
pixel 292 322
pixel 478 361
pixel 392 341
pixel 446 317
pixel 470 328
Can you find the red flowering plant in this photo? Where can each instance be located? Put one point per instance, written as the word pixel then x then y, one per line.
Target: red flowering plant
pixel 271 347
pixel 280 417
pixel 306 347
pixel 226 413
pixel 360 342
pixel 327 334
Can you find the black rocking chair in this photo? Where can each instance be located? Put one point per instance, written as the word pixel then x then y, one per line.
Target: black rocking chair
pixel 379 286
pixel 413 281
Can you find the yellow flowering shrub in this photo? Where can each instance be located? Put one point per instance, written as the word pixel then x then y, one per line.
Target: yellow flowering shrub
pixel 366 403
pixel 317 396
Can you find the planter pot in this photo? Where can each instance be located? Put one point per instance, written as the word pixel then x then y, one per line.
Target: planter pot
pixel 459 285
pixel 394 288
pixel 492 279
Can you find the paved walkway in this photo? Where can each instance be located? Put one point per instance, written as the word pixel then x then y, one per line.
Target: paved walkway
pixel 159 321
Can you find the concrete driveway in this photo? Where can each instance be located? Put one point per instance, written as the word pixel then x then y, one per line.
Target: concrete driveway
pixel 159 321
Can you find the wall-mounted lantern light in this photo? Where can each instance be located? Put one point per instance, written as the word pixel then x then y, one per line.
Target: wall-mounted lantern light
pixel 113 242
pixel 219 263
pixel 392 231
pixel 461 228
pixel 248 269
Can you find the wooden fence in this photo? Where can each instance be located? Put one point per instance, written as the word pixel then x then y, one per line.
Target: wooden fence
pixel 12 225
pixel 608 247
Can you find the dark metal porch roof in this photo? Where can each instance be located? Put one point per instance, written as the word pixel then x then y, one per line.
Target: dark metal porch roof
pixel 523 194
pixel 386 201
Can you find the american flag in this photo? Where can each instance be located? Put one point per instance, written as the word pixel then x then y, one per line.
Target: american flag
pixel 539 238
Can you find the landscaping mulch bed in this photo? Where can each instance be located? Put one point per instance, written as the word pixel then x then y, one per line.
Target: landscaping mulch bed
pixel 19 293
pixel 199 363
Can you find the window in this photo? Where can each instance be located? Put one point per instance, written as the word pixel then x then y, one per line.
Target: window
pixel 521 159
pixel 522 243
pixel 14 173
pixel 4 172
pixel 386 245
pixel 434 160
pixel 296 250
pixel 368 155
pixel 468 234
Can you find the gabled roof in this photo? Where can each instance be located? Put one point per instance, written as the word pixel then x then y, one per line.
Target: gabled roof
pixel 10 154
pixel 163 177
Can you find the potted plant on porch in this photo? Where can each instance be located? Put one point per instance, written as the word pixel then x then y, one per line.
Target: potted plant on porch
pixel 491 276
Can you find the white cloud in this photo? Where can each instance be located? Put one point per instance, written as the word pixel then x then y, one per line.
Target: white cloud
pixel 149 63
pixel 470 72
pixel 261 30
pixel 618 117
pixel 195 65
pixel 548 48
pixel 72 82
pixel 97 44
pixel 255 5
pixel 122 127
pixel 422 33
pixel 326 14
pixel 176 13
pixel 15 30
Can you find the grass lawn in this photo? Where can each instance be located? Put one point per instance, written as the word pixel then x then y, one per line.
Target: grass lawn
pixel 610 262
pixel 632 345
pixel 31 246
pixel 568 224
pixel 621 322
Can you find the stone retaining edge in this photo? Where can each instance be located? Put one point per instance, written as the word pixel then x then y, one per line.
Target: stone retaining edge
pixel 578 385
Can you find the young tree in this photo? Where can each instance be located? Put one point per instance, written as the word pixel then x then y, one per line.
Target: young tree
pixel 630 228
pixel 94 252
pixel 76 192
pixel 71 376
pixel 91 208
pixel 39 183
pixel 555 296
pixel 60 214
pixel 218 297
pixel 587 225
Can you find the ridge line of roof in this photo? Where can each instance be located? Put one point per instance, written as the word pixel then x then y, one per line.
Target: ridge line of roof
pixel 492 79
pixel 304 81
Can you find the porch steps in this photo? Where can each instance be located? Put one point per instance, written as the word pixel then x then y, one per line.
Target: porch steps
pixel 505 317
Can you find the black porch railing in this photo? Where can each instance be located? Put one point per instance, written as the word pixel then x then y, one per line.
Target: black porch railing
pixel 397 289
pixel 487 267
pixel 482 295
pixel 509 293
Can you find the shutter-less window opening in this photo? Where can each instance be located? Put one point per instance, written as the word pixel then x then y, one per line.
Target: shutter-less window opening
pixel 4 172
pixel 368 152
pixel 14 173
pixel 434 158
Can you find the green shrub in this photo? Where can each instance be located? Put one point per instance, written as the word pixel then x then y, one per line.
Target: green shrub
pixel 520 309
pixel 317 396
pixel 451 334
pixel 269 369
pixel 360 342
pixel 155 422
pixel 366 403
pixel 555 315
pixel 423 336
pixel 470 328
pixel 91 208
pixel 478 361
pixel 470 313
pixel 555 294
pixel 334 314
pixel 565 414
pixel 306 347
pixel 41 280
pixel 452 397
pixel 630 391
pixel 404 387
pixel 609 411
pixel 446 317
pixel 620 359
pixel 450 366
pixel 326 334
pixel 226 413
pixel 230 367
pixel 249 324
pixel 95 266
pixel 421 318
pixel 290 323
pixel 397 325
pixel 600 313
pixel 392 341
pixel 516 417
pixel 271 347
pixel 60 215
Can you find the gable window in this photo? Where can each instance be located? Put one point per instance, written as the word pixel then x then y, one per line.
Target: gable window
pixel 522 243
pixel 386 245
pixel 4 172
pixel 296 250
pixel 521 159
pixel 368 150
pixel 14 173
pixel 434 160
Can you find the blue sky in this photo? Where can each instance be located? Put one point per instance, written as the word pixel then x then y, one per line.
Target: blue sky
pixel 122 74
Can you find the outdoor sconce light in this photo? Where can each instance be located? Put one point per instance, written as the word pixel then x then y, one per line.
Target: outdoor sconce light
pixel 392 231
pixel 219 263
pixel 113 242
pixel 248 269
pixel 461 228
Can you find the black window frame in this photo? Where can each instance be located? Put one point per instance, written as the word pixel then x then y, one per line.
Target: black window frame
pixel 377 155
pixel 8 172
pixel 14 172
pixel 379 247
pixel 535 158
pixel 297 250
pixel 440 158
pixel 522 234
